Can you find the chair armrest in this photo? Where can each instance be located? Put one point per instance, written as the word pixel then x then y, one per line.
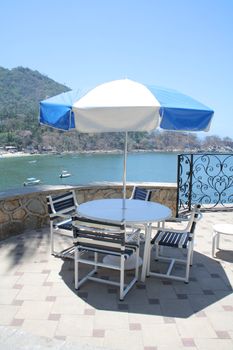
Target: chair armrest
pixel 178 220
pixel 172 229
pixel 65 224
pixel 59 215
pixel 168 229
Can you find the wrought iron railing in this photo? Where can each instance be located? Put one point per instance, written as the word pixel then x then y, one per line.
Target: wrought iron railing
pixel 206 179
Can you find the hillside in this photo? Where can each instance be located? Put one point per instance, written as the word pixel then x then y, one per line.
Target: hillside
pixel 21 89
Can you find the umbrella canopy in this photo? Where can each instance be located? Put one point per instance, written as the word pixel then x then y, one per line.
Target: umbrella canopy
pixel 125 105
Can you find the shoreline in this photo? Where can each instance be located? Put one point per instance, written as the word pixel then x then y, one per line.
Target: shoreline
pixel 14 155
pixel 25 154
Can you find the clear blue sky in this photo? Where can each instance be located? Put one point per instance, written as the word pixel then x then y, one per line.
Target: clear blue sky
pixel 186 45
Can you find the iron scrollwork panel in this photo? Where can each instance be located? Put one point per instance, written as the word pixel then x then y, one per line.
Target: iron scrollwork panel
pixel 208 181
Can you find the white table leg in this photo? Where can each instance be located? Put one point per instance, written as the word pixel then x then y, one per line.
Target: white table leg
pixel 146 251
pixel 217 240
pixel 214 239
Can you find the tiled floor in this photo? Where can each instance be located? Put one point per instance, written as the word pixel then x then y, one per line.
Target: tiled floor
pixel 37 299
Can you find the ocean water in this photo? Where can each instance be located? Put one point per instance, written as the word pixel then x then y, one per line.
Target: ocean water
pixel 87 168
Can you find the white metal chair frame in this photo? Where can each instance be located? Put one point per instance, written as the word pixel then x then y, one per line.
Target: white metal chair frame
pixel 102 238
pixel 181 239
pixel 61 208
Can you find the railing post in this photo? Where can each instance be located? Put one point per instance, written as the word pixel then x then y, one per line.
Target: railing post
pixel 190 183
pixel 178 186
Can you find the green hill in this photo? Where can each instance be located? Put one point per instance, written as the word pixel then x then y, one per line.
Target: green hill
pixel 21 89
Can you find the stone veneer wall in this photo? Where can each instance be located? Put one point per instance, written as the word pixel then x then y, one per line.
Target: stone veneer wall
pixel 25 209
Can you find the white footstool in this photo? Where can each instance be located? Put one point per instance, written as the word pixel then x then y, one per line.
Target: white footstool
pixel 220 229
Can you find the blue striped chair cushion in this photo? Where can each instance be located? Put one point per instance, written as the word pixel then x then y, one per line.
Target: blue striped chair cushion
pixel 61 202
pixel 142 194
pixel 172 239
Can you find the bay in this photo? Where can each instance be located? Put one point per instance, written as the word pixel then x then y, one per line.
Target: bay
pixel 87 168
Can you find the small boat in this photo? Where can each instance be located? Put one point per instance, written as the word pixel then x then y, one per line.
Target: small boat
pixel 32 161
pixel 64 173
pixel 31 181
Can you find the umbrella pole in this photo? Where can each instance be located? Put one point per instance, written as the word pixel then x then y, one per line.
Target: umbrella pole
pixel 124 173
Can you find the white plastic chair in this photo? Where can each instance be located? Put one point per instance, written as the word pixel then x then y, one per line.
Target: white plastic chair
pixel 179 239
pixel 60 209
pixel 133 232
pixel 101 238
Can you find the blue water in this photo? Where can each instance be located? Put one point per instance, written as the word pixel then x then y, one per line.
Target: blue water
pixel 88 168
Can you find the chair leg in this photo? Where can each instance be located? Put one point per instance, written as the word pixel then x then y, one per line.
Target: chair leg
pixel 96 260
pixel 217 240
pixel 214 244
pixel 161 224
pixel 76 257
pixel 189 257
pixel 51 238
pixel 137 264
pixel 148 262
pixel 122 262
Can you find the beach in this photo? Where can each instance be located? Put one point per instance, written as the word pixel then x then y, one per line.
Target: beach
pixel 15 154
pixel 115 151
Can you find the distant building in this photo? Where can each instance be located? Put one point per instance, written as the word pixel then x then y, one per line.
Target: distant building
pixel 11 149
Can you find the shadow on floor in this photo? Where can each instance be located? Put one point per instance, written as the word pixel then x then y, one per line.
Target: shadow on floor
pixel 225 255
pixel 25 245
pixel 208 284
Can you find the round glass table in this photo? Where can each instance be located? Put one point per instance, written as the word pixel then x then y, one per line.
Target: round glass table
pixel 132 212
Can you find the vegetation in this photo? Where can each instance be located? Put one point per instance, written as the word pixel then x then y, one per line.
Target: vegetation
pixel 21 90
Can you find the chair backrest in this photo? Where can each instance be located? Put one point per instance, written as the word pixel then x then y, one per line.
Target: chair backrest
pixel 141 193
pixel 91 233
pixel 62 204
pixel 195 216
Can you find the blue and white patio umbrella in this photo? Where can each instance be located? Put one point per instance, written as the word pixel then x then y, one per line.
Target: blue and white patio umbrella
pixel 123 106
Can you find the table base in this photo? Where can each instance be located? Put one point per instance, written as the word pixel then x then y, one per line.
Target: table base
pixel 129 263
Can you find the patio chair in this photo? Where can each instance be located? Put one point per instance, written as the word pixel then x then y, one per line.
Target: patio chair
pixel 140 193
pixel 144 195
pixel 97 239
pixel 60 209
pixel 182 239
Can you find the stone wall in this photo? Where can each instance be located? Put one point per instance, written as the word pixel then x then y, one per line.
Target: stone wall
pixel 25 209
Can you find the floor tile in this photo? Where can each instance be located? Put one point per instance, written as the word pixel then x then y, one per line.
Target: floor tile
pixel 75 326
pixel 37 296
pixel 44 328
pixel 35 310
